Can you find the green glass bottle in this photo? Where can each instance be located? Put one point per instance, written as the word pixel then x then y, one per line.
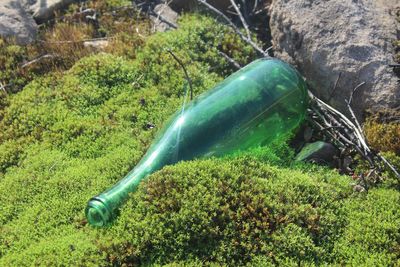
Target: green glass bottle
pixel 250 108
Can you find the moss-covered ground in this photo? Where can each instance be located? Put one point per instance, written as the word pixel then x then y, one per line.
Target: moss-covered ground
pixel 67 136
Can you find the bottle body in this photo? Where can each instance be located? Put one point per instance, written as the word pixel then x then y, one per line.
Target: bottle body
pixel 250 108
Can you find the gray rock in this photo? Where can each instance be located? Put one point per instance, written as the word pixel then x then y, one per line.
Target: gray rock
pixel 359 188
pixel 319 152
pixel 43 10
pixel 324 38
pixel 16 22
pixel 164 18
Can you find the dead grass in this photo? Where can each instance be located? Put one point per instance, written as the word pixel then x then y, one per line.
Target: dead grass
pixel 383 136
pixel 61 41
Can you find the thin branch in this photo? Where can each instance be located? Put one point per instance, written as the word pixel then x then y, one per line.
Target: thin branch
pixel 229 59
pixel 338 118
pixel 244 23
pixel 184 70
pixel 244 5
pixel 38 59
pixel 75 41
pixel 258 11
pixel 232 13
pixel 334 87
pixel 344 119
pixel 322 128
pixel 347 134
pixel 3 88
pixel 233 26
pixel 351 110
pixel 390 166
pixel 268 49
pixel 353 116
pixel 255 6
pixel 354 90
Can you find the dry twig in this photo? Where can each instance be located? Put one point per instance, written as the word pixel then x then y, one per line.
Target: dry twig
pixel 244 23
pixel 229 59
pixel 348 102
pixel 334 87
pixel 3 88
pixel 345 133
pixel 37 60
pixel 76 41
pixel 184 70
pixel 233 26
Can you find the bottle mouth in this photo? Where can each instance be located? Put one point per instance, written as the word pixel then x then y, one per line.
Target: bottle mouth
pixel 97 213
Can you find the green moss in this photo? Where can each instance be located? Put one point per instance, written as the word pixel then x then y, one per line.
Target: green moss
pixel 12 57
pixel 229 211
pixel 66 137
pixel 67 248
pixel 371 237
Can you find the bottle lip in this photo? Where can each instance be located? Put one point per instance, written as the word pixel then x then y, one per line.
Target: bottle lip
pixel 97 212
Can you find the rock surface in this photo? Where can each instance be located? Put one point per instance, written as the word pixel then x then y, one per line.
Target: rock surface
pixel 16 22
pixel 43 10
pixel 164 18
pixel 347 38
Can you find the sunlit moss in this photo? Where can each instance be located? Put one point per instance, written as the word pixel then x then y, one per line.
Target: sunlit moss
pixel 70 135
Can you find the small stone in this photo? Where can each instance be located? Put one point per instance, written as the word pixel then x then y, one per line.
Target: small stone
pixel 319 152
pixel 164 18
pixel 359 188
pixel 96 44
pixel 150 125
